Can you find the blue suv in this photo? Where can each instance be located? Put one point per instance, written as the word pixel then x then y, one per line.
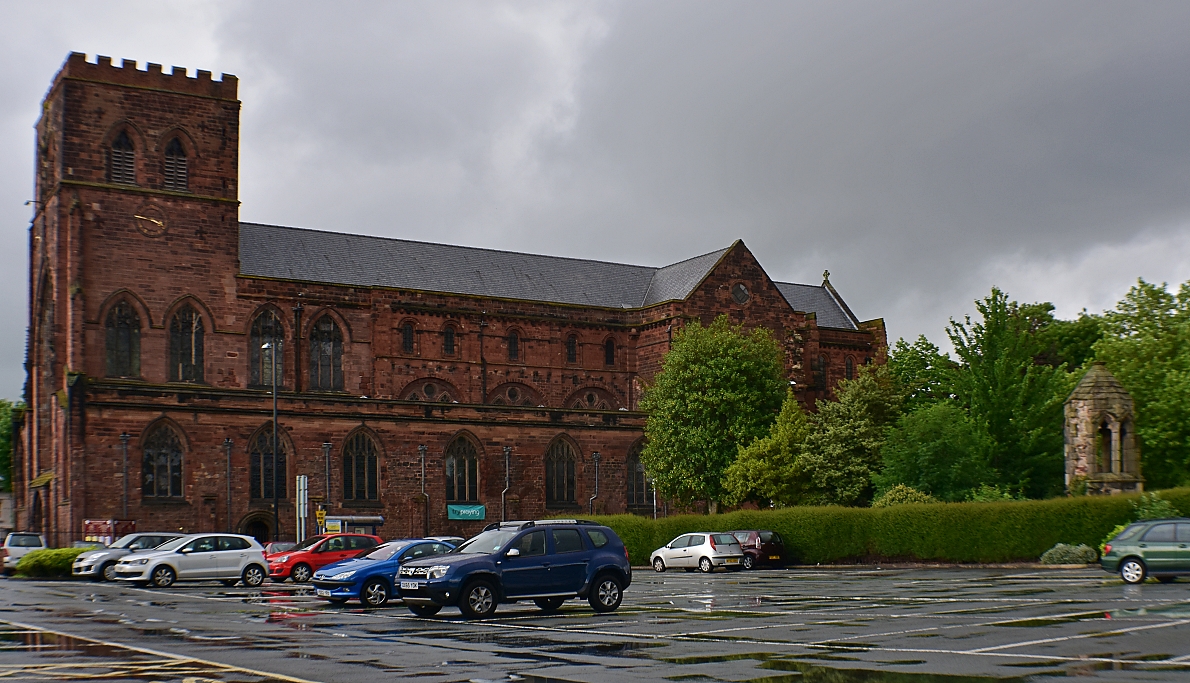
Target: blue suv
pixel 369 575
pixel 547 562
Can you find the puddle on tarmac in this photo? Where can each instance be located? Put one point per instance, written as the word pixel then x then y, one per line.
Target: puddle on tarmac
pixel 810 673
pixel 1052 621
pixel 713 659
pixel 626 649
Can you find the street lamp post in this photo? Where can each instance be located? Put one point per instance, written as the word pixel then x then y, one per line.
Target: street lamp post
pixel 273 371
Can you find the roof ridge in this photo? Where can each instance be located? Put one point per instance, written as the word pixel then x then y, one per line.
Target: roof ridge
pixel 455 246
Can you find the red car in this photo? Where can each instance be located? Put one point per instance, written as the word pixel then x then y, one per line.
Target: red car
pixel 761 548
pixel 301 561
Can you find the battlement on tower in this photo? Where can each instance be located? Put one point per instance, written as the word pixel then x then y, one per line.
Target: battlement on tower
pixel 104 71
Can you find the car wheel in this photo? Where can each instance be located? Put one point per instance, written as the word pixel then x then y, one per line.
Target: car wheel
pixel 658 565
pixel 748 562
pixel 424 610
pixel 253 576
pixel 705 566
pixel 300 573
pixel 606 594
pixel 549 604
pixel 163 576
pixel 374 594
pixel 1133 571
pixel 107 572
pixel 479 600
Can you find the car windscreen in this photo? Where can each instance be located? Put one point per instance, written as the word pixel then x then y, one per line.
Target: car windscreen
pixel 486 543
pixel 381 552
pixel 306 543
pixel 124 541
pixel 173 545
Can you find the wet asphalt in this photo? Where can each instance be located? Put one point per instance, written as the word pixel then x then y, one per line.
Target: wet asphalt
pixel 804 624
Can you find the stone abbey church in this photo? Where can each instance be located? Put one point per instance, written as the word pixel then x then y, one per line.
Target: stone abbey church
pixel 408 373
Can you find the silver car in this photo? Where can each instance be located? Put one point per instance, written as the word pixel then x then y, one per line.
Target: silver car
pixel 101 563
pixel 229 558
pixel 17 545
pixel 703 551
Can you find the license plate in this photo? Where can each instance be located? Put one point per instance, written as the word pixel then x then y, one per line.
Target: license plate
pixel 408 585
pixel 322 593
pixel 774 557
pixel 733 560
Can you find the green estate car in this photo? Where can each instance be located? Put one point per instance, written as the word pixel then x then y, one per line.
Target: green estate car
pixel 1153 547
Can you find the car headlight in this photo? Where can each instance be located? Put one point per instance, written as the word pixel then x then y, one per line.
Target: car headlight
pixel 437 571
pixel 141 561
pixel 282 560
pixel 343 576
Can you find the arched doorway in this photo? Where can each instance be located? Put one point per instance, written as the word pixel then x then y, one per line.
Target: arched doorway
pixel 258 525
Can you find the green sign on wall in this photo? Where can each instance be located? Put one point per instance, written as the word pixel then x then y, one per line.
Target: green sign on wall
pixel 468 512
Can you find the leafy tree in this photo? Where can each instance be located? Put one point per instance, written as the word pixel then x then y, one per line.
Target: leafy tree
pixel 925 374
pixel 992 493
pixel 719 388
pixel 902 495
pixel 1070 341
pixel 937 450
pixel 1146 344
pixel 768 469
pixel 1015 400
pixel 842 451
pixel 6 414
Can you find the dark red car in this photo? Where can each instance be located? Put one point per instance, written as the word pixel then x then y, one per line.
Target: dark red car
pixel 301 561
pixel 761 548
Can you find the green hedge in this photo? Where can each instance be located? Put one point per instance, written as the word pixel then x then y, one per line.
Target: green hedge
pixel 1004 531
pixel 53 562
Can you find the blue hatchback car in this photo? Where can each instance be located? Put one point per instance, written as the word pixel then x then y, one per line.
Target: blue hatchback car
pixel 369 576
pixel 547 562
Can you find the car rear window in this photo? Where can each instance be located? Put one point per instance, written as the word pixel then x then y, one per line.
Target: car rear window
pixel 567 541
pixel 23 541
pixel 725 539
pixel 598 538
pixel 742 536
pixel 1159 533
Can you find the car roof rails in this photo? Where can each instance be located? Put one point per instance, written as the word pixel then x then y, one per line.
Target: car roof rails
pixel 540 522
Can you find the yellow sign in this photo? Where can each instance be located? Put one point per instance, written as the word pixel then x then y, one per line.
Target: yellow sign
pixel 320 517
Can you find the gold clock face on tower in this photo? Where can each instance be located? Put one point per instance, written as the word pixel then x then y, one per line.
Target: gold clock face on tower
pixel 150 220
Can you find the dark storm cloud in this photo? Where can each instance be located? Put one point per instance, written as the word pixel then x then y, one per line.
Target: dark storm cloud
pixel 920 151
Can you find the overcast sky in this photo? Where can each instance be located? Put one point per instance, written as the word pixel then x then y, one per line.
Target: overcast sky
pixel 922 152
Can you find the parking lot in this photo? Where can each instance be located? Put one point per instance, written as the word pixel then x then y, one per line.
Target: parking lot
pixel 803 624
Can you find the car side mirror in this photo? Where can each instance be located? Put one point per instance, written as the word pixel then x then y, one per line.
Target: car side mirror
pixel 185 551
pixel 513 552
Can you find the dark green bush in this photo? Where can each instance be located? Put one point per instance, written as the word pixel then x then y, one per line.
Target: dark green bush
pixel 948 532
pixel 1070 554
pixel 52 562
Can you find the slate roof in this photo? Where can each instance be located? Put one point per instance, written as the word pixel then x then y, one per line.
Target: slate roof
pixel 360 260
pixel 1100 384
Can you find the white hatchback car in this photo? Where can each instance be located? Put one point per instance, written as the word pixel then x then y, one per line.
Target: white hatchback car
pixel 17 545
pixel 229 558
pixel 703 551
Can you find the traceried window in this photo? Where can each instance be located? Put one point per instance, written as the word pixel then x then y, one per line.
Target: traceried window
pixel 326 355
pixel 591 400
pixel 162 464
pixel 266 329
pixel 609 352
pixel 360 468
pixel 407 338
pixel 514 346
pixel 186 346
pixel 123 341
pixel 462 471
pixel 640 492
pixel 429 391
pixel 514 395
pixel 266 465
pixel 559 474
pixel 572 349
pixel 175 167
pixel 448 341
pixel 122 160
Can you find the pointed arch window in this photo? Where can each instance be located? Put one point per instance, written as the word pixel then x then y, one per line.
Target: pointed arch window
pixel 462 471
pixel 514 345
pixel 559 474
pixel 122 160
pixel 640 491
pixel 266 465
pixel 175 167
pixel 123 341
pixel 186 346
pixel 326 355
pixel 850 368
pixel 162 464
pixel 266 329
pixel 572 349
pixel 360 468
pixel 448 341
pixel 609 352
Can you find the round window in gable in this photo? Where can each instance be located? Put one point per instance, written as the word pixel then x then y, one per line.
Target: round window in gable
pixel 740 293
pixel 513 394
pixel 429 391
